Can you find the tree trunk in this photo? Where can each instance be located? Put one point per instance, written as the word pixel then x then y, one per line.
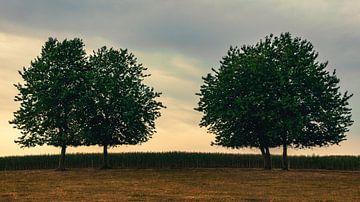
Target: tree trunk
pixel 105 159
pixel 61 166
pixel 267 157
pixel 285 163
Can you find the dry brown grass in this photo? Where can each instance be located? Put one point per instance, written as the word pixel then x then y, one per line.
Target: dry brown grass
pixel 179 185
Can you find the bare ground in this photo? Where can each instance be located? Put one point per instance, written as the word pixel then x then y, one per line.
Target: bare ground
pixel 179 185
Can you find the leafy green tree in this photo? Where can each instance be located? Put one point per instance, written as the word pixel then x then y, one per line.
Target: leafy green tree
pixel 236 100
pixel 310 109
pixel 119 108
pixel 272 94
pixel 49 97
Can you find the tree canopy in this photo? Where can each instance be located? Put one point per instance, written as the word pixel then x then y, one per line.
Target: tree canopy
pixel 274 93
pixel 49 97
pixel 118 107
pixel 69 99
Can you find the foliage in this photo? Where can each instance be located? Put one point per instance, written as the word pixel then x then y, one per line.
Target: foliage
pixel 49 97
pixel 311 110
pixel 118 107
pixel 274 93
pixel 68 99
pixel 237 100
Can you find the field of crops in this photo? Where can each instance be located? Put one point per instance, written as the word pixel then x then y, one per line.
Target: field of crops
pixel 178 160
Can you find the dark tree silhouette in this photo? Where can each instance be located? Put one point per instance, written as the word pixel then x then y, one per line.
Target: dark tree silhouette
pixel 310 109
pixel 118 107
pixel 49 97
pixel 271 94
pixel 235 100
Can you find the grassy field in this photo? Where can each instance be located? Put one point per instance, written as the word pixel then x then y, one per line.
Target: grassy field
pixel 226 184
pixel 178 160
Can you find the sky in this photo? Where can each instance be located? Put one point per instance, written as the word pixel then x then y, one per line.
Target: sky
pixel 179 42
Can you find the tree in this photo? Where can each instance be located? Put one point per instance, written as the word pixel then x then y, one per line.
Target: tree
pixel 118 107
pixel 310 109
pixel 236 100
pixel 272 94
pixel 49 97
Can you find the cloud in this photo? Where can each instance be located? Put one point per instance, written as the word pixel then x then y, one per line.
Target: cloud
pixel 201 29
pixel 179 41
pixel 172 73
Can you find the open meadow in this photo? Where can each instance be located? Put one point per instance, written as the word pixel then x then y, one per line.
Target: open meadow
pixel 215 184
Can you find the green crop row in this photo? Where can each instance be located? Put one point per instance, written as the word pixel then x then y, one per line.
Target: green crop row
pixel 178 160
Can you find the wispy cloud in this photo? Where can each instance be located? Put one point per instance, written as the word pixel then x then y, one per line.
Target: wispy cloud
pixel 179 41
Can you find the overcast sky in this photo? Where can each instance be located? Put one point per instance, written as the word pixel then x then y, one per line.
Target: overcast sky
pixel 179 41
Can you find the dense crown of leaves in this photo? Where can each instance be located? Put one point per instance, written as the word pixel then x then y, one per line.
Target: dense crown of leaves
pixel 118 108
pixel 69 99
pixel 49 96
pixel 274 93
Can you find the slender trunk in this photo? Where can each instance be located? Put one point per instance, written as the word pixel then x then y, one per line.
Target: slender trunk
pixel 265 152
pixel 267 159
pixel 61 166
pixel 262 151
pixel 285 163
pixel 105 159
